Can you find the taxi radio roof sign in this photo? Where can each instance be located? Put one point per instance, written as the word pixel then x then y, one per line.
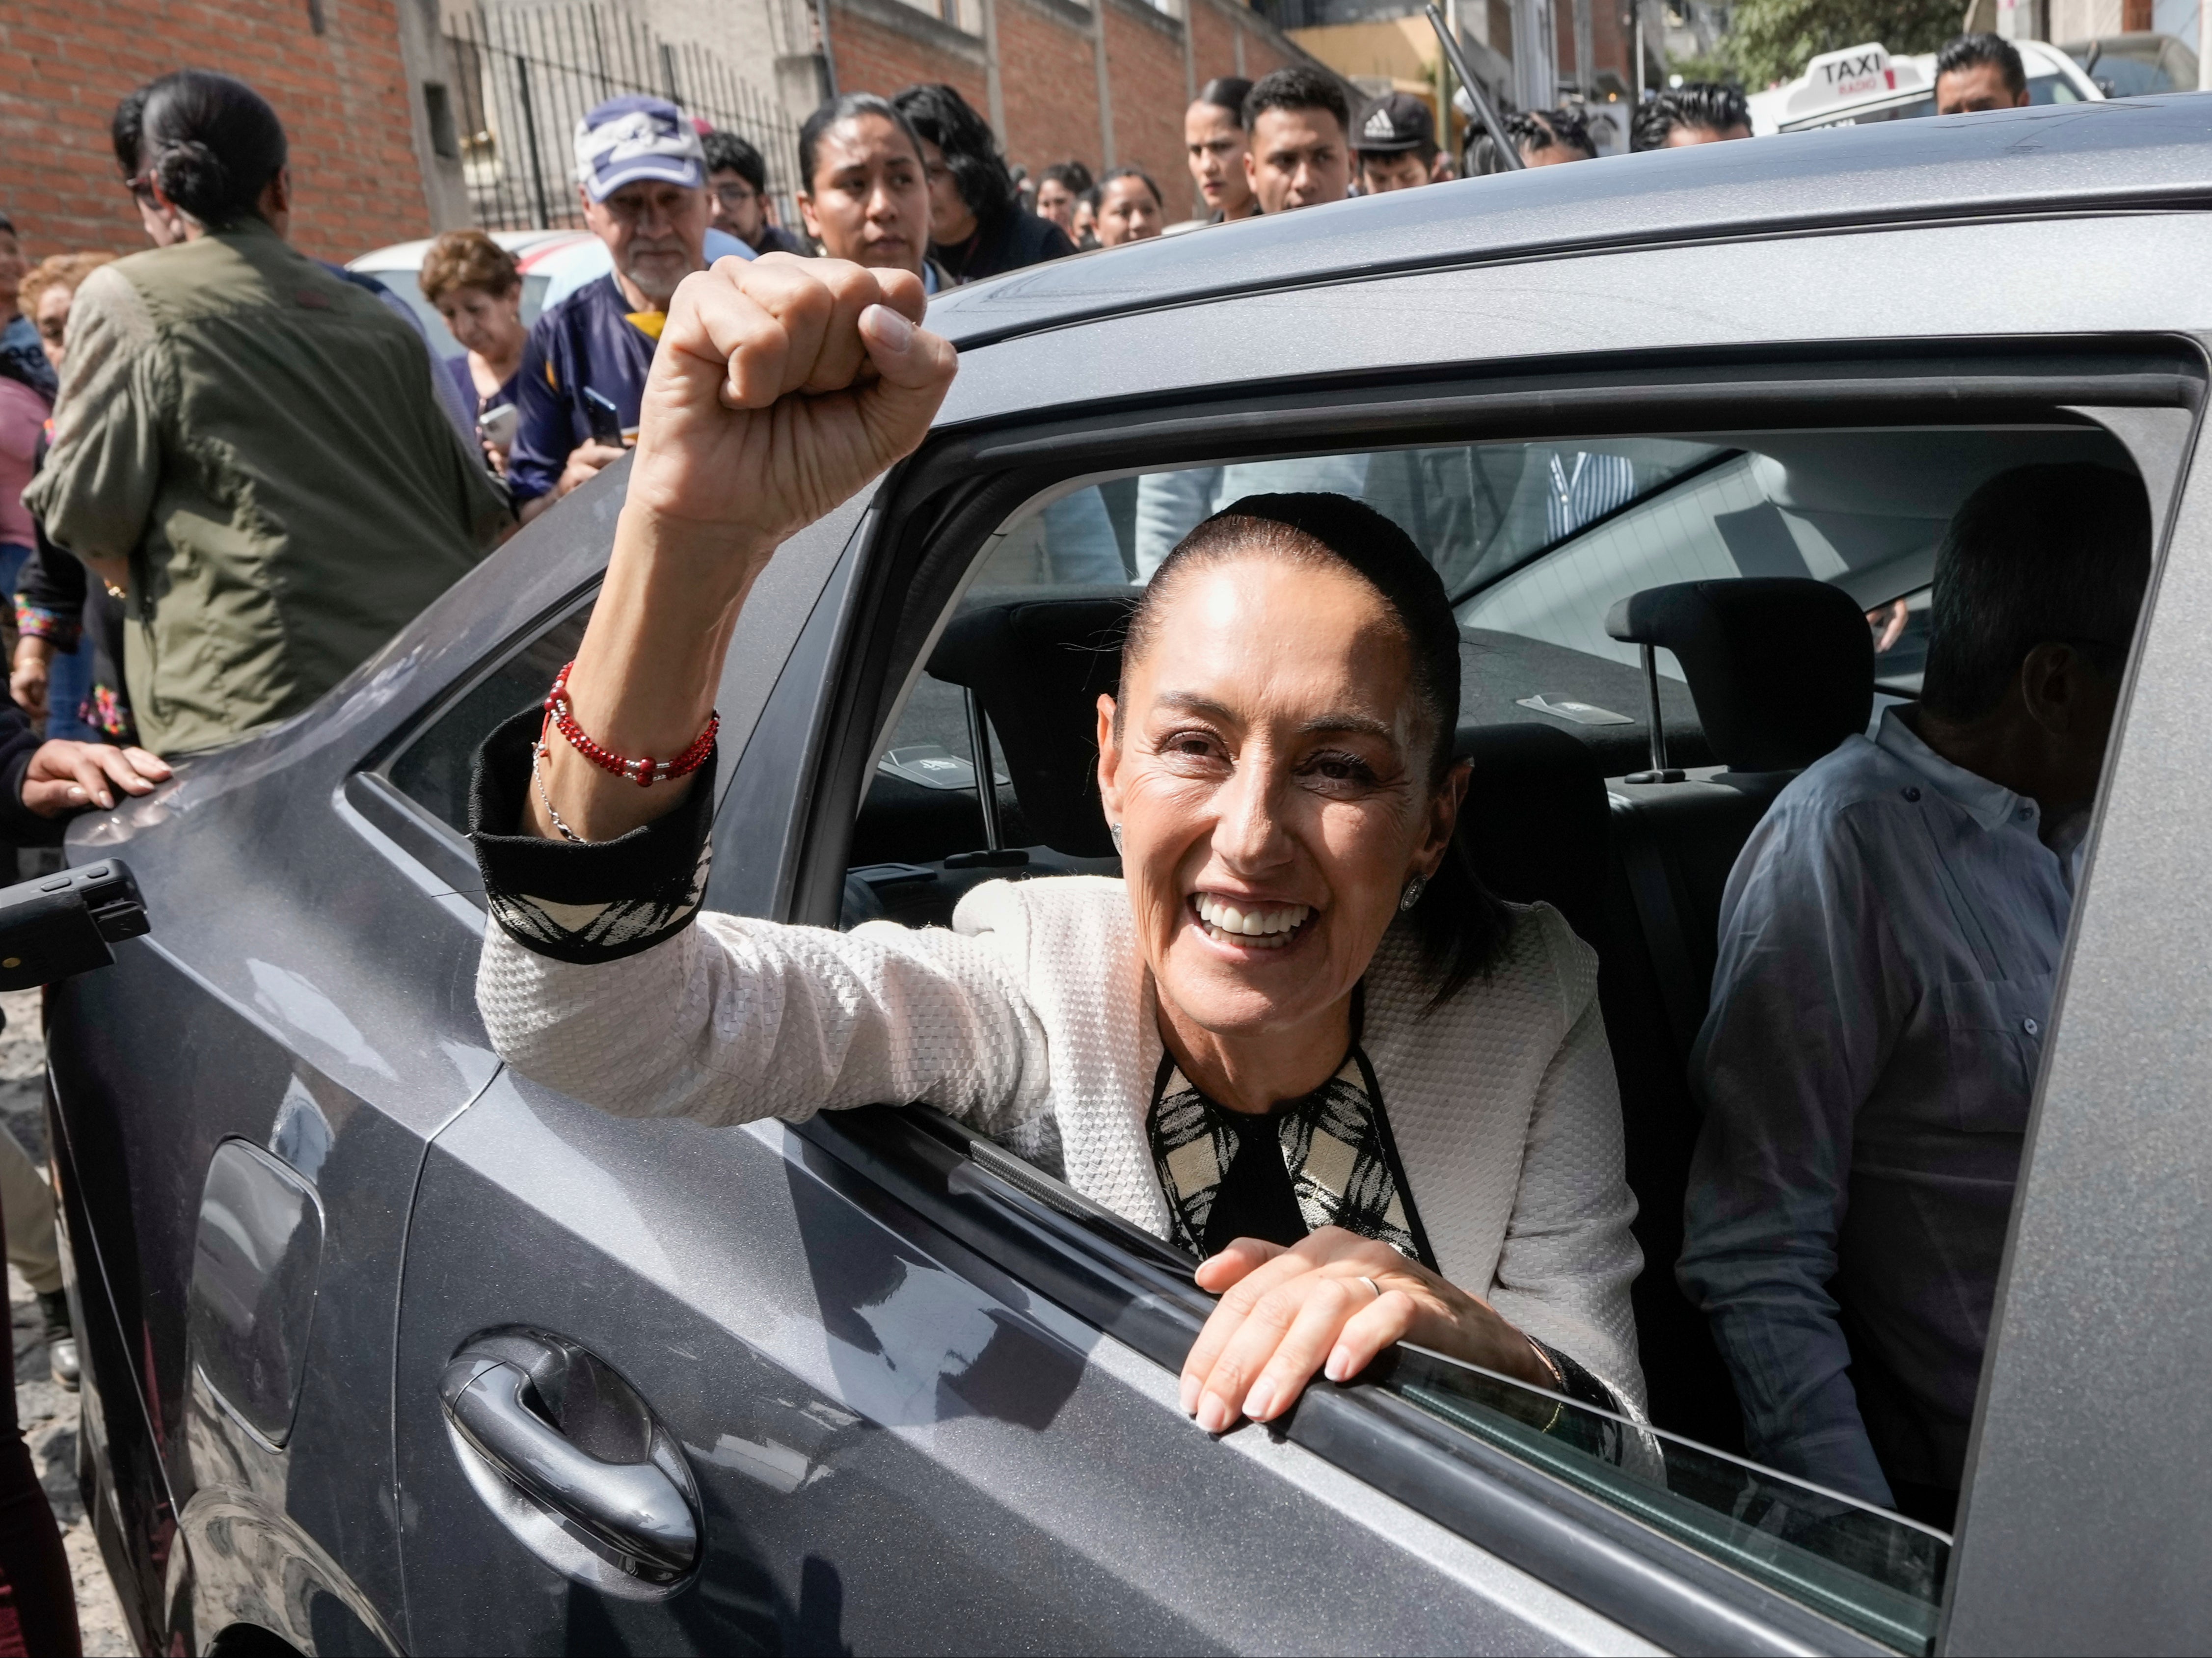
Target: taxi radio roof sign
pixel 1855 75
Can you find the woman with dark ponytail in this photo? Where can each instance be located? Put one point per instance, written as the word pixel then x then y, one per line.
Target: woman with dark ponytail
pixel 213 148
pixel 247 443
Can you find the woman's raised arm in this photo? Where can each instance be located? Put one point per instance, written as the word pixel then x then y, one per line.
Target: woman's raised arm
pixel 780 387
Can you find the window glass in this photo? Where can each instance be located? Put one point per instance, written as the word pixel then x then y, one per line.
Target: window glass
pixel 435 770
pixel 1878 1573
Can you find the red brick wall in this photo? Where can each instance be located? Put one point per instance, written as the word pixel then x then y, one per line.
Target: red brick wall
pixel 1144 62
pixel 343 96
pixel 872 59
pixel 1612 47
pixel 1049 81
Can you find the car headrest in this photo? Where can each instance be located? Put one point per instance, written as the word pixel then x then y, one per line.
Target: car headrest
pixel 1781 667
pixel 1039 665
pixel 1535 819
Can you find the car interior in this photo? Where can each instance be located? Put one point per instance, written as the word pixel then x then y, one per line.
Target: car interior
pixel 1646 667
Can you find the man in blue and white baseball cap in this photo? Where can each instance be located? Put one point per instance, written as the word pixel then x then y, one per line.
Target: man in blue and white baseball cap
pixel 641 173
pixel 637 137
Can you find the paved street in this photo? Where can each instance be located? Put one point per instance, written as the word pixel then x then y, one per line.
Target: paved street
pixel 49 1415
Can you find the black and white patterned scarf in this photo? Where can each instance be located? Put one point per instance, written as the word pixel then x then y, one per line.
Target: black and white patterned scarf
pixel 1337 1149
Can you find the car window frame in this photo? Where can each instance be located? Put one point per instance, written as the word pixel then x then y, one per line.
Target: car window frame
pixel 773 630
pixel 938 512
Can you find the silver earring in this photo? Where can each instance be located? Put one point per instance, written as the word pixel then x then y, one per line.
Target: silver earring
pixel 1117 840
pixel 1412 895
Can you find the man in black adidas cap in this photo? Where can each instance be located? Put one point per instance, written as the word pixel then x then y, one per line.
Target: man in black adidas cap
pixel 1396 140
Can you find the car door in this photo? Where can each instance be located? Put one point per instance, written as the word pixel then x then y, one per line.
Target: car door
pixel 241 1105
pixel 668 1388
pixel 880 1383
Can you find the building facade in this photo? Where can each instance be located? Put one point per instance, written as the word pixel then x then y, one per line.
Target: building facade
pixel 342 75
pixel 411 116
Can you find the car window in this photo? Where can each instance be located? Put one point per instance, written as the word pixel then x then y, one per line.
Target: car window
pixel 2050 87
pixel 434 768
pixel 1536 543
pixel 1871 1570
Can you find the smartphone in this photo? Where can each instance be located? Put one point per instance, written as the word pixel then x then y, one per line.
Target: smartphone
pixel 605 418
pixel 496 425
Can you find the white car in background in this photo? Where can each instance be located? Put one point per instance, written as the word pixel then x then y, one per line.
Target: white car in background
pixel 555 264
pixel 1864 83
pixel 400 266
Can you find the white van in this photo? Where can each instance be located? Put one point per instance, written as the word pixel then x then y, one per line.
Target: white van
pixel 1865 83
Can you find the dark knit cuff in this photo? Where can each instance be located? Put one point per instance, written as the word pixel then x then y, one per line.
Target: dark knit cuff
pixel 1580 1386
pixel 591 902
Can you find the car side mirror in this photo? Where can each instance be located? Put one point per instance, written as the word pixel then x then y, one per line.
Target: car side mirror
pixel 59 925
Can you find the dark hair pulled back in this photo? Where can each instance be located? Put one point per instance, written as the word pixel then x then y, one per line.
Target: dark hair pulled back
pixel 212 143
pixel 853 106
pixel 1461 924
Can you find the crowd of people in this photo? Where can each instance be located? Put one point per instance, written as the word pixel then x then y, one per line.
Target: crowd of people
pixel 230 472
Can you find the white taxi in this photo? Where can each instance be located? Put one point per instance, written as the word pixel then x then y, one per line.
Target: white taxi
pixel 1865 83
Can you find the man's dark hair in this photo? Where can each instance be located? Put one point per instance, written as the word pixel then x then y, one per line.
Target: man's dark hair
pixel 1136 172
pixel 7 224
pixel 2037 556
pixel 1532 132
pixel 728 152
pixel 1073 175
pixel 1460 926
pixel 1298 87
pixel 838 111
pixel 1705 106
pixel 1972 50
pixel 212 143
pixel 1227 92
pixel 964 138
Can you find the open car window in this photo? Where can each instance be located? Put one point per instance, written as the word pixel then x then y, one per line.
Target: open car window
pixel 987 771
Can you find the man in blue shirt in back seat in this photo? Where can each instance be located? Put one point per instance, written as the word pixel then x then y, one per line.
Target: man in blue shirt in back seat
pixel 642 175
pixel 1889 942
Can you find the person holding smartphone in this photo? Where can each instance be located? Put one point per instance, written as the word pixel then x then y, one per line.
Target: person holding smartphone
pixel 476 287
pixel 642 172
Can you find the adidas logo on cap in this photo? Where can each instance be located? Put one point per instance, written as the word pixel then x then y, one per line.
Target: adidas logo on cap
pixel 1378 125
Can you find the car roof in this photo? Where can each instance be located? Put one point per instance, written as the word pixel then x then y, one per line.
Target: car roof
pixel 2053 158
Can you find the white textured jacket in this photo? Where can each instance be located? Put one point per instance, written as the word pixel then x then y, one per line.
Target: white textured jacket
pixel 1033 1021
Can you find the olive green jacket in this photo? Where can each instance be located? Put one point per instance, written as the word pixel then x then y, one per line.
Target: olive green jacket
pixel 261 442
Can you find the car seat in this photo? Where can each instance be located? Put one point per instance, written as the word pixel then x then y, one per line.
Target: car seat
pixel 1038 666
pixel 1781 669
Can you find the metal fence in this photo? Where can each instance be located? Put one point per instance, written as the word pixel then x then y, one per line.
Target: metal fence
pixel 522 79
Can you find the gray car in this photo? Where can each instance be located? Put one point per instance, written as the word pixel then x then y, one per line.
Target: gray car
pixel 388 1349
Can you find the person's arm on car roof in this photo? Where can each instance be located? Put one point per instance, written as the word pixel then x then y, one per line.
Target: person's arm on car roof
pixel 1796 1035
pixel 96 490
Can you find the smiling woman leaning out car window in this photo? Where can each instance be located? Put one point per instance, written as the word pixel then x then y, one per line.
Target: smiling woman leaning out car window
pixel 1296 1037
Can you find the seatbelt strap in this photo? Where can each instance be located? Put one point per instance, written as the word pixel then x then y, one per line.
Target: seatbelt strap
pixel 1660 916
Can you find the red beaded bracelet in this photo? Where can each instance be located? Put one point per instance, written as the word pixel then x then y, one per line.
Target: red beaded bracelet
pixel 644 773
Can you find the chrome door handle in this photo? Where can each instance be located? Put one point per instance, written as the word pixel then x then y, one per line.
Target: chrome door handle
pixel 634 1510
